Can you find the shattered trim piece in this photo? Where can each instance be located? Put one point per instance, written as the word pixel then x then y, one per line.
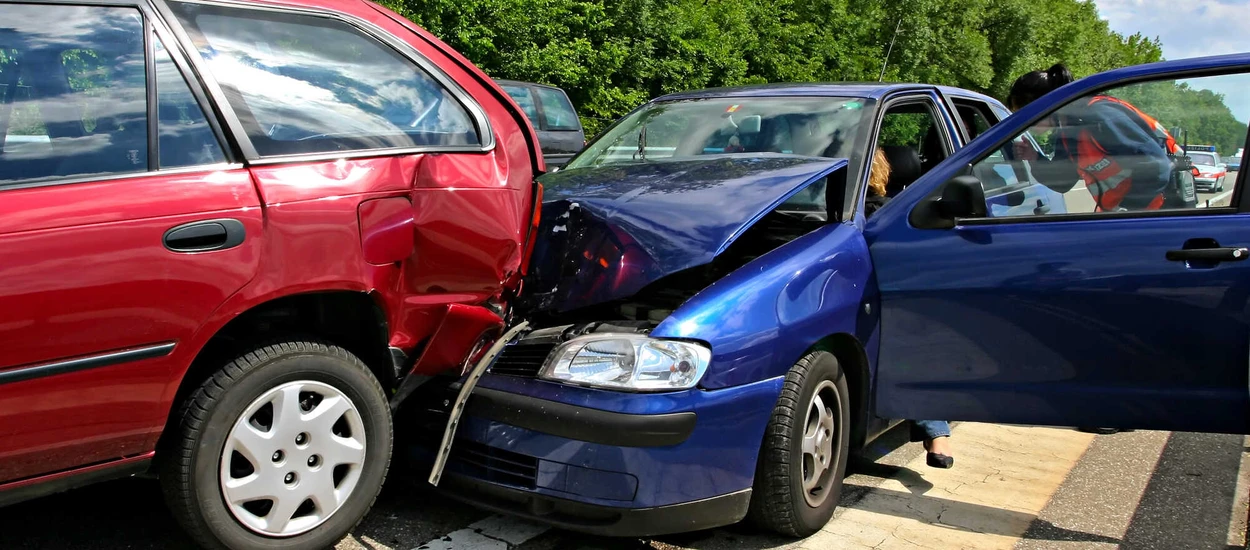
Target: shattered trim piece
pixel 453 421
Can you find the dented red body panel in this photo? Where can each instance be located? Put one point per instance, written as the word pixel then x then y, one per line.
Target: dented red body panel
pixel 436 241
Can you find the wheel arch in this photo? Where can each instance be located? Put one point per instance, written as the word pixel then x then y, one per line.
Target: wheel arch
pixel 353 320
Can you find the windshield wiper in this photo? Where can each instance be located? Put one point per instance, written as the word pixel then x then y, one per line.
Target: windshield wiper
pixel 641 153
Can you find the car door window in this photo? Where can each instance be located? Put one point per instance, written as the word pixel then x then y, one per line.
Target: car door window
pixel 74 102
pixel 309 84
pixel 911 137
pixel 975 115
pixel 1120 150
pixel 558 113
pixel 185 138
pixel 522 96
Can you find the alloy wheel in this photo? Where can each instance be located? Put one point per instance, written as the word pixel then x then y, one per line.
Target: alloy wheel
pixel 820 436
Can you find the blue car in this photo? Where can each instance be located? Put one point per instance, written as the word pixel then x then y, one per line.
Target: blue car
pixel 710 323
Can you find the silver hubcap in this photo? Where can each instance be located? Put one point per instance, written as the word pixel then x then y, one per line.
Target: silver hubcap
pixel 819 437
pixel 292 458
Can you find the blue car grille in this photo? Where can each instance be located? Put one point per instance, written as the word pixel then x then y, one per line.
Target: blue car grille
pixel 523 360
pixel 492 464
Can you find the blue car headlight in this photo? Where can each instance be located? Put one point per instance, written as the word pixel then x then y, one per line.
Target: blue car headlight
pixel 628 362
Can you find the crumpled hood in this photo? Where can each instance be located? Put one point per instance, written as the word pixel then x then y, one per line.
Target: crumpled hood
pixel 607 232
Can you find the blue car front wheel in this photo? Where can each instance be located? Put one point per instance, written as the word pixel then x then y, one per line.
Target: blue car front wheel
pixel 798 480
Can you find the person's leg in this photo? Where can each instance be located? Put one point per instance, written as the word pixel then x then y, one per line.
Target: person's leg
pixel 928 430
pixel 936 437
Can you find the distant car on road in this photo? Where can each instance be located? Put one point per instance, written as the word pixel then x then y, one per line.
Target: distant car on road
pixel 1211 171
pixel 1233 163
pixel 560 132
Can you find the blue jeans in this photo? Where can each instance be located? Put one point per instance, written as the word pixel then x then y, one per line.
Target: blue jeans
pixel 923 430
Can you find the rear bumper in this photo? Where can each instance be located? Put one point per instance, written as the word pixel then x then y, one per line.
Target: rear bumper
pixel 1205 182
pixel 557 159
pixel 601 520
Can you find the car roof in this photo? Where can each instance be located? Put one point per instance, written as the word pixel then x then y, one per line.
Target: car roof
pixel 871 90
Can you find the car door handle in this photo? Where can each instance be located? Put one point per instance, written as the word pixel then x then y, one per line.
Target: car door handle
pixel 205 236
pixel 1223 254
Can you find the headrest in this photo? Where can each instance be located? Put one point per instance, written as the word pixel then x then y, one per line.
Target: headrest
pixel 904 167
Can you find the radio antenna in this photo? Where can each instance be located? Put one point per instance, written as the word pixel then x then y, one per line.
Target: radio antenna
pixel 889 50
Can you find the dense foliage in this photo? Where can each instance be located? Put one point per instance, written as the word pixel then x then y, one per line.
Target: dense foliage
pixel 1202 114
pixel 612 55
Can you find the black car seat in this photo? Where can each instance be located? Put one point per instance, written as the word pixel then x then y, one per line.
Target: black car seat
pixel 905 168
pixel 931 151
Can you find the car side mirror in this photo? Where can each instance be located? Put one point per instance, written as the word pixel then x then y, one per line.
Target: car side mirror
pixel 962 197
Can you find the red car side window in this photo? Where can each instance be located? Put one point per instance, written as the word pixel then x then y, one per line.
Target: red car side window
pixel 308 84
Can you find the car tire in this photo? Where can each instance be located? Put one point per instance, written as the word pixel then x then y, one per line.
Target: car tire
pixel 339 456
pixel 1219 185
pixel 797 487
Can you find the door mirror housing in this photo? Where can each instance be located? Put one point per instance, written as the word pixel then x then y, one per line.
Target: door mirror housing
pixel 962 196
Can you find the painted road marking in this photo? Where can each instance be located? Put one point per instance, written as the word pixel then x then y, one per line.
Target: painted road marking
pixel 1239 523
pixel 496 532
pixel 1003 477
pixel 1215 201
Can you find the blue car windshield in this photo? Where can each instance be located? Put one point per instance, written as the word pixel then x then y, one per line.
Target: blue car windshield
pixel 810 126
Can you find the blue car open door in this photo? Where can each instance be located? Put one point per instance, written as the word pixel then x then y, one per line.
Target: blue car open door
pixel 1129 308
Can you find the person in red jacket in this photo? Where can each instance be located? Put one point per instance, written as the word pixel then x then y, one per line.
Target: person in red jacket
pixel 1120 152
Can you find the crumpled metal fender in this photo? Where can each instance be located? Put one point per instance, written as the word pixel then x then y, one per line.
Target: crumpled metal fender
pixel 462 333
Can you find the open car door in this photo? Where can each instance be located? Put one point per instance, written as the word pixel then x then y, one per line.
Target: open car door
pixel 1109 312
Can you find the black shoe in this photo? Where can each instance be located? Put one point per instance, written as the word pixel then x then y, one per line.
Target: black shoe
pixel 1099 431
pixel 940 461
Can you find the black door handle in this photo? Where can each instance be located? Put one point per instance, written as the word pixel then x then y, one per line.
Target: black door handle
pixel 1224 254
pixel 204 236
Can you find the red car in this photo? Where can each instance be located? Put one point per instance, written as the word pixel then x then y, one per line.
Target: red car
pixel 232 238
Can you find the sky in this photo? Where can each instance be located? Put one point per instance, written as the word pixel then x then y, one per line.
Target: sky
pixel 1191 28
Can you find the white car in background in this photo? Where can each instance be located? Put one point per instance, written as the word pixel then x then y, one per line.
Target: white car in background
pixel 1211 171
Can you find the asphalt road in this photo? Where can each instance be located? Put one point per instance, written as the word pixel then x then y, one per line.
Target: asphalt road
pixel 1012 487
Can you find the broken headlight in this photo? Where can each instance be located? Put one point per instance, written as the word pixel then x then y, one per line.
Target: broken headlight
pixel 628 362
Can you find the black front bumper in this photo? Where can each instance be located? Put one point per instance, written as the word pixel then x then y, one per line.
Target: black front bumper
pixel 581 423
pixel 600 520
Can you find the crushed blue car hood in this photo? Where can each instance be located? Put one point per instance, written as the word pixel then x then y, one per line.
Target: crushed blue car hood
pixel 606 232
